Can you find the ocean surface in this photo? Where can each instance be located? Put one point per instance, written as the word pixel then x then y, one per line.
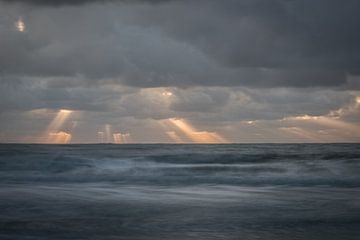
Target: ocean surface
pixel 240 191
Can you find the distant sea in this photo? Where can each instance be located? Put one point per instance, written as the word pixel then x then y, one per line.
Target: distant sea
pixel 159 191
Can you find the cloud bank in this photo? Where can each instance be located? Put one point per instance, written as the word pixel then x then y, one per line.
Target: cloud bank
pixel 222 61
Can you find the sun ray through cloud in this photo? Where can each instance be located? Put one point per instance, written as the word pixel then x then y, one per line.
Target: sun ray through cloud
pixel 53 134
pixel 122 138
pixel 328 121
pixel 193 134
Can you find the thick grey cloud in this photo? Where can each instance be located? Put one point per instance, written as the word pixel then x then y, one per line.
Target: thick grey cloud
pixel 200 100
pixel 225 62
pixel 228 43
pixel 72 2
pixel 301 43
pixel 243 104
pixel 52 2
pixel 262 33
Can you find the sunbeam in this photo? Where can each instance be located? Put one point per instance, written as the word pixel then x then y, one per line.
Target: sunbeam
pixel 328 121
pixel 58 121
pixel 122 138
pixel 193 134
pixel 53 134
pixel 108 133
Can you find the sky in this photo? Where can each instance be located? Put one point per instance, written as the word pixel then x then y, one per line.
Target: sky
pixel 179 71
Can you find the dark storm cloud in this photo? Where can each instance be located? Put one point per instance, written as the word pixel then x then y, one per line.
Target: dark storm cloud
pixel 52 2
pixel 301 43
pixel 225 63
pixel 236 104
pixel 256 43
pixel 262 33
pixel 77 57
pixel 29 94
pixel 72 2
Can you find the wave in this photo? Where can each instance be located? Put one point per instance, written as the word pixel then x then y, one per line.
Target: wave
pixel 306 165
pixel 147 192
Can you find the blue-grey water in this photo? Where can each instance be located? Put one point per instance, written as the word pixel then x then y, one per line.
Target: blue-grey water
pixel 240 191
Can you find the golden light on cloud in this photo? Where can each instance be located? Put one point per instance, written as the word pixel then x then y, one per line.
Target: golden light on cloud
pixel 122 138
pixel 167 93
pixel 328 121
pixel 307 117
pixel 193 134
pixel 65 111
pixel 20 25
pixel 358 100
pixel 335 123
pixel 351 109
pixel 334 128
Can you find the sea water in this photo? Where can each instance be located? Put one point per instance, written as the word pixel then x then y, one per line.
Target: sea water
pixel 159 191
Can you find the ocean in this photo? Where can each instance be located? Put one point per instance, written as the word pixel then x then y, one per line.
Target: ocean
pixel 160 191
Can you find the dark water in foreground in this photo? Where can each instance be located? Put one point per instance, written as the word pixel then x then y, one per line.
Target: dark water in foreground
pixel 265 191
